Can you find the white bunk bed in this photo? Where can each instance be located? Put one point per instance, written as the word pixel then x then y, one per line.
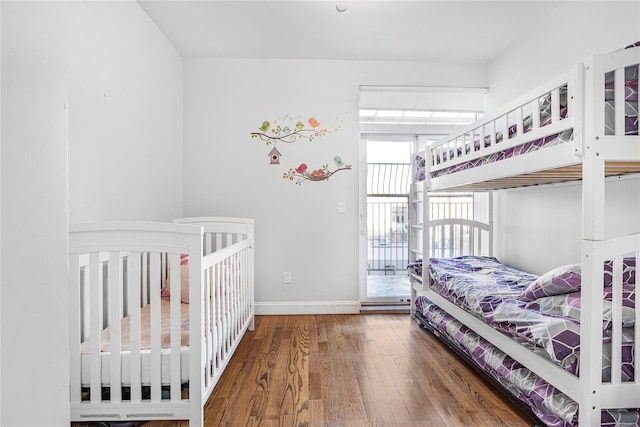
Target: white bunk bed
pixel 156 312
pixel 579 126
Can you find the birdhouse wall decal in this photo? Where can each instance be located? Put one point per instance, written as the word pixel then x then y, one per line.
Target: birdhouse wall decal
pixel 290 129
pixel 274 156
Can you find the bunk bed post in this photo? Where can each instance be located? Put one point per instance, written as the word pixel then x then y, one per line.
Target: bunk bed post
pixel 426 219
pixel 592 242
pixel 418 218
pixel 412 243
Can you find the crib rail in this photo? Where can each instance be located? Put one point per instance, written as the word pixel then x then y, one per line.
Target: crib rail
pixel 131 355
pixel 114 268
pixel 227 306
pixel 220 232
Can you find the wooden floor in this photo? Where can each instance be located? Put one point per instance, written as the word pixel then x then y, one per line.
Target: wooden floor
pixel 349 370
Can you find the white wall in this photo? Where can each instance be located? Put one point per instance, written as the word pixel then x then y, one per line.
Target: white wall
pixel 114 153
pixel 572 32
pixel 34 372
pixel 0 213
pixel 125 117
pixel 226 172
pixel 539 229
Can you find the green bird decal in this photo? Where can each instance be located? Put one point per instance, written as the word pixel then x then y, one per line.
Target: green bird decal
pixel 299 125
pixel 265 126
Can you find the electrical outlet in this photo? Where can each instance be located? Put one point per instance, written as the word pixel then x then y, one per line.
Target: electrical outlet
pixel 286 278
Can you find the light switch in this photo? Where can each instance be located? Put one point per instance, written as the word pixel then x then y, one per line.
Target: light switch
pixel 341 207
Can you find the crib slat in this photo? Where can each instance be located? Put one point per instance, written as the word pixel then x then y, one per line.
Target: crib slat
pixel 114 325
pixel 74 329
pixel 241 288
pixel 134 289
pixel 176 321
pixel 233 295
pixel 214 300
pixel 244 271
pixel 227 308
pixel 236 294
pixel 218 239
pixel 209 299
pixel 145 278
pixel 240 297
pixel 208 239
pixel 224 282
pixel 218 315
pixel 95 275
pixel 154 300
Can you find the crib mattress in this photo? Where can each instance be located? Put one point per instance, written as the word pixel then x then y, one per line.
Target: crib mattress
pixel 145 352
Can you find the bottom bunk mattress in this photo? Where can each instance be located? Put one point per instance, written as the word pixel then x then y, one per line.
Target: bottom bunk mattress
pixel 145 348
pixel 548 404
pixel 540 312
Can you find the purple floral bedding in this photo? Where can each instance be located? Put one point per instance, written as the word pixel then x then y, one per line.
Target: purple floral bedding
pixel 541 312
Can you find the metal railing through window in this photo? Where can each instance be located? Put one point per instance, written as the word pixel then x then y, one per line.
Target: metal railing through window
pixel 388 217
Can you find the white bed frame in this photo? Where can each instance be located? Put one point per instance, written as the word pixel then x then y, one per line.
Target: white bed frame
pixel 591 156
pixel 118 267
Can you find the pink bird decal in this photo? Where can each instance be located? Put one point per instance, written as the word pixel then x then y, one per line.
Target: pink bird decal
pixel 302 168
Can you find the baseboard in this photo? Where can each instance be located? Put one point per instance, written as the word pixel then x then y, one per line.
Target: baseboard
pixel 315 307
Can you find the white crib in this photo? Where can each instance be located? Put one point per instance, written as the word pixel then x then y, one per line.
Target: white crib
pixel 156 312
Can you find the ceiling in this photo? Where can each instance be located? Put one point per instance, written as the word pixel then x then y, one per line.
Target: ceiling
pixel 449 31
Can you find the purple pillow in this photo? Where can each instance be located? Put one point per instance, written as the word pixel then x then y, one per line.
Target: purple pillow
pixel 559 281
pixel 567 279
